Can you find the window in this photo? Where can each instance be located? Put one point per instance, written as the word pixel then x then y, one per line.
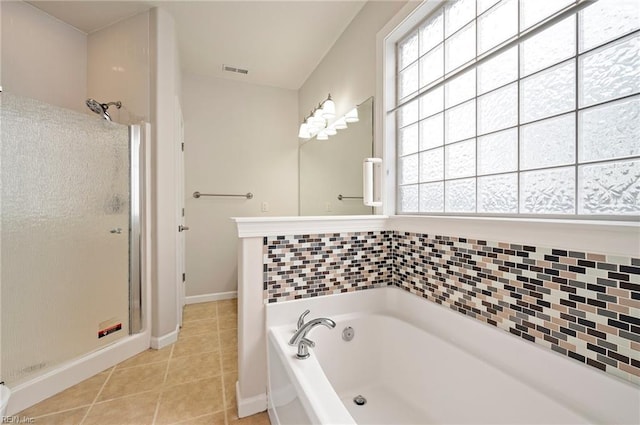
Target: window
pixel 520 107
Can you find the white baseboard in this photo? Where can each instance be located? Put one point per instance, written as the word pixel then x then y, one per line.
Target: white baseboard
pixel 250 405
pixel 69 374
pixel 158 342
pixel 206 298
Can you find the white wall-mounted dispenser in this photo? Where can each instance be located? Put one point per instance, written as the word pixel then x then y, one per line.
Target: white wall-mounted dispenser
pixel 368 186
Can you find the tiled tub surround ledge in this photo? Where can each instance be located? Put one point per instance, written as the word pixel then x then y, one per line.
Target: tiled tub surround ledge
pixel 582 305
pixel 417 362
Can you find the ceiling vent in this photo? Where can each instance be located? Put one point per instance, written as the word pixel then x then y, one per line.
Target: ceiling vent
pixel 234 69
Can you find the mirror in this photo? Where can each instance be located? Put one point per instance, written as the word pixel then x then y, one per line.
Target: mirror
pixel 333 168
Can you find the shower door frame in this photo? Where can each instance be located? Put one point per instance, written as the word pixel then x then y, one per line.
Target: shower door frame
pixel 135 272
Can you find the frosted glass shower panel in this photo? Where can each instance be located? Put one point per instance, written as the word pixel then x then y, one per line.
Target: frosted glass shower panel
pixel 65 235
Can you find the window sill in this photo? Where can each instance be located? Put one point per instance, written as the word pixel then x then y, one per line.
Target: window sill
pixel 607 237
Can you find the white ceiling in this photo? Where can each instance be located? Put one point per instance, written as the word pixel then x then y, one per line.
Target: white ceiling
pixel 279 42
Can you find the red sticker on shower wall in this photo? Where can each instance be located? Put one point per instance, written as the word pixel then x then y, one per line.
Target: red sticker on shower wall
pixel 111 329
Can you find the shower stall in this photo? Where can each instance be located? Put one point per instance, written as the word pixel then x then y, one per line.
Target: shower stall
pixel 70 274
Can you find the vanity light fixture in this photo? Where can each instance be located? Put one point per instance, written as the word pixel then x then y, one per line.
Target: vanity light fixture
pixel 328 108
pixel 317 123
pixel 352 116
pixel 340 124
pixel 304 132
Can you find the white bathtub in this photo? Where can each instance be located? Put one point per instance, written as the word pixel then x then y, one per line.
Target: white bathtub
pixel 419 363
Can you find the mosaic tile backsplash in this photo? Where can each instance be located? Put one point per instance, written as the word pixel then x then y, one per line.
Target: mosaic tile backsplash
pixel 585 306
pixel 305 266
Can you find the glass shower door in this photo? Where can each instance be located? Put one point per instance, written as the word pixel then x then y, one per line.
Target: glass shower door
pixel 64 235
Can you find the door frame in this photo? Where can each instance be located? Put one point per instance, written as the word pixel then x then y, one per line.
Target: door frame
pixel 180 219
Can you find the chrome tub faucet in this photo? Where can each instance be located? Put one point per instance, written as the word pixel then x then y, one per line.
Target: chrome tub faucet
pixel 300 336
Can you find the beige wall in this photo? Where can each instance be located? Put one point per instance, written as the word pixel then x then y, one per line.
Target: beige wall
pixel 348 70
pixel 43 58
pixel 239 138
pixel 118 68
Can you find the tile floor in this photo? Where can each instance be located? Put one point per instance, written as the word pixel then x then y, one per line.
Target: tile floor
pixel 191 382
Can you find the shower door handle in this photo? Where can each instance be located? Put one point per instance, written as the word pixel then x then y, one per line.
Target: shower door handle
pixel 117 230
pixel 182 228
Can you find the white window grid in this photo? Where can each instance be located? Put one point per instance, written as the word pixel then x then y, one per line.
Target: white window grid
pixel 573 114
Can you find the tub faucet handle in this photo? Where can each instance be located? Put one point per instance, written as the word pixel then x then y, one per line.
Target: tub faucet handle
pixel 301 319
pixel 303 348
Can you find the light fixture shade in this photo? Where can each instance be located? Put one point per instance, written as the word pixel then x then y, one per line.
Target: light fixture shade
pixel 352 116
pixel 318 119
pixel 304 132
pixel 310 121
pixel 328 108
pixel 322 135
pixel 331 131
pixel 340 124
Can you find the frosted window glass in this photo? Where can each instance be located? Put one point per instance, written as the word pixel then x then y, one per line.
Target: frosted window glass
pixel 460 89
pixel 431 33
pixel 498 110
pixel 460 122
pixel 65 186
pixel 431 102
pixel 610 131
pixel 431 132
pixel 504 135
pixel 605 20
pixel 408 50
pixel 460 195
pixel 610 72
pixel 408 114
pixel 534 11
pixel 497 25
pixel 408 198
pixel 498 194
pixel 609 188
pixel 431 66
pixel 460 159
pixel 408 169
pixel 457 13
pixel 548 143
pixel 548 93
pixel 551 46
pixel 498 71
pixel 408 140
pixel 432 197
pixel 460 48
pixel 498 152
pixel 408 81
pixel 432 165
pixel 548 191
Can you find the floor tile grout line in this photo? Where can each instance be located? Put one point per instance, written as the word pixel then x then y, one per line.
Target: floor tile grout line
pixel 141 364
pixel 104 384
pixel 196 417
pixel 164 382
pixel 46 415
pixel 224 396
